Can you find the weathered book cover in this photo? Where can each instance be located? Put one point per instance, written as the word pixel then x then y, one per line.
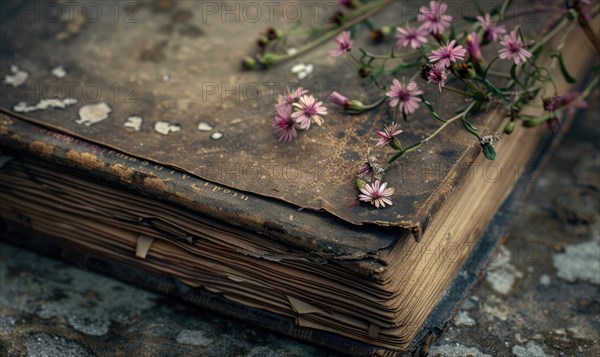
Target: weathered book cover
pixel 157 107
pixel 24 139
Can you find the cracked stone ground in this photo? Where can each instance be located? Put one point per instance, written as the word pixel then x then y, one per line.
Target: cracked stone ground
pixel 540 295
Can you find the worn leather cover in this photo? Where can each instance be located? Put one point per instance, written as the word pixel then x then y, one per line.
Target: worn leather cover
pixel 177 62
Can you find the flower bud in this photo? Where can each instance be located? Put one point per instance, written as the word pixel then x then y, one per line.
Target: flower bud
pixel 248 63
pixel 273 33
pixel 262 42
pixel 364 72
pixel 355 106
pixel 338 99
pixel 510 127
pixel 473 46
pixel 360 183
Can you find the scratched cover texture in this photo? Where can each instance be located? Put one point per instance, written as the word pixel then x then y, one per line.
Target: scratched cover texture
pixel 176 65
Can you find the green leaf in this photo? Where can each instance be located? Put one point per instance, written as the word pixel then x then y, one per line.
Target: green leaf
pixel 532 123
pixel 510 127
pixel 395 156
pixel 513 73
pixel 563 69
pixel 470 127
pixel 494 90
pixel 470 18
pixel 477 107
pixel 432 110
pixel 489 152
pixel 488 67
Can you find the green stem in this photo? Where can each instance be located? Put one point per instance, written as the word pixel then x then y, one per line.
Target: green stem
pixel 504 7
pixel 550 35
pixel 366 12
pixel 386 57
pixel 355 61
pixel 367 107
pixel 441 128
pixel 375 104
pixel 471 86
pixel 414 147
pixel 499 74
pixel 455 90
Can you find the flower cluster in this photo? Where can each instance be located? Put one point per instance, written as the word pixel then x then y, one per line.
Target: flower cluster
pixel 452 57
pixel 296 110
pixel 368 182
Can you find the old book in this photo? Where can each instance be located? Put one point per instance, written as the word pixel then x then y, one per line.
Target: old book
pixel 178 188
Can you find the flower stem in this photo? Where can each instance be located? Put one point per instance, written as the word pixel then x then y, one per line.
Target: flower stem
pixel 460 116
pixel 365 12
pixel 504 7
pixel 550 35
pixel 455 90
pixel 499 74
pixel 375 104
pixel 354 60
pixel 414 147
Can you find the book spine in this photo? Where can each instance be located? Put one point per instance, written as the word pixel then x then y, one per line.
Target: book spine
pixel 333 240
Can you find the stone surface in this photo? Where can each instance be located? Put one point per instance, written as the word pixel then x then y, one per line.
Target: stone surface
pixel 579 262
pixel 530 350
pixel 542 299
pixel 456 350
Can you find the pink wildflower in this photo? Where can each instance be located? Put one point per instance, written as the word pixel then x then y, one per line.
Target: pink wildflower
pixel 448 54
pixel 410 37
pixel 283 124
pixel 388 134
pixel 438 74
pixel 291 96
pixel 344 44
pixel 491 32
pixel 434 18
pixel 308 110
pixel 513 49
pixel 406 98
pixel 376 194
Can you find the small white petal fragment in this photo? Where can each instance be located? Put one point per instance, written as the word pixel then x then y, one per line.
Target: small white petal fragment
pixel 59 72
pixel 303 70
pixel 166 128
pixel 43 104
pixel 297 68
pixel 217 135
pixel 204 126
pixel 93 113
pixel 292 51
pixel 134 122
pixel 16 78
